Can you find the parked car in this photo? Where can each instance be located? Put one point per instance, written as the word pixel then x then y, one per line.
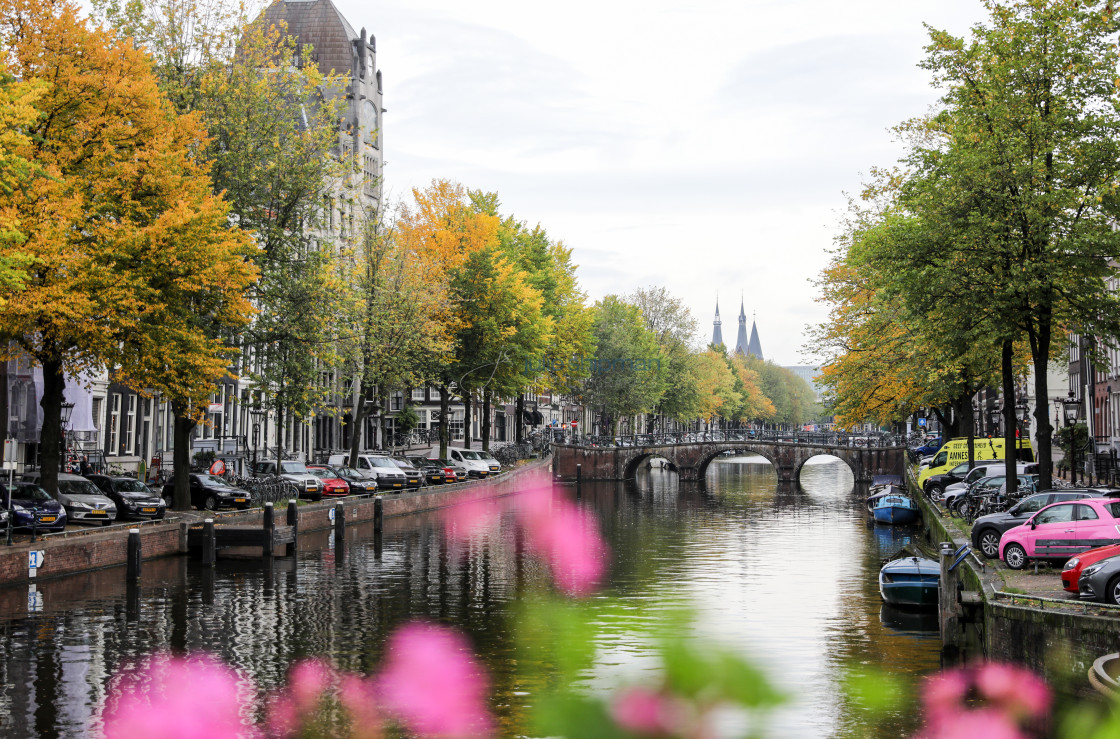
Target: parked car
pixel 452 470
pixel 987 485
pixel 935 486
pixel 432 471
pixel 414 478
pixel 359 482
pixel 32 507
pixel 1062 530
pixel 1071 573
pixel 389 476
pixel 134 499
pixel 467 459
pixel 84 502
pixel 1100 581
pixel 488 458
pixel 308 485
pixel 333 485
pixel 987 530
pixel 211 493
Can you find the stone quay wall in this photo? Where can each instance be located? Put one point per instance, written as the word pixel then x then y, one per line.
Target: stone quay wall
pixel 75 552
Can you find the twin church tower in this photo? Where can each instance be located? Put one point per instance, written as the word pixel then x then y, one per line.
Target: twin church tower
pixel 751 347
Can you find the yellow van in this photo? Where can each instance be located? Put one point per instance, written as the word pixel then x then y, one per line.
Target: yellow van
pixel 956 451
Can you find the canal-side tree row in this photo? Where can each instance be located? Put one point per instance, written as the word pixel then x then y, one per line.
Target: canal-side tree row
pixel 995 236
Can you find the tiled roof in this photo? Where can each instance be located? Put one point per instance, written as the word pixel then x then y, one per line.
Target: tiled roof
pixel 317 23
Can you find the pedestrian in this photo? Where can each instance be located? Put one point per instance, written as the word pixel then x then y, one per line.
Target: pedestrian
pixel 84 468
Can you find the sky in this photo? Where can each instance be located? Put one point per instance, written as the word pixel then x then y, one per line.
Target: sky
pixel 706 146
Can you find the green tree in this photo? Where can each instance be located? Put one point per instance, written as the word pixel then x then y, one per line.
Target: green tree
pixel 675 329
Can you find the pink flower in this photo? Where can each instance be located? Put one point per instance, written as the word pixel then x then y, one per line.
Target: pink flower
pixel 358 697
pixel 646 711
pixel 431 682
pixel 982 723
pixel 307 682
pixel 1015 689
pixel 467 519
pixel 944 694
pixel 170 697
pixel 568 539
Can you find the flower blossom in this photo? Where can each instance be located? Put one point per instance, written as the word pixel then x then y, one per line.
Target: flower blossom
pixel 168 697
pixel 432 683
pixel 990 700
pixel 567 538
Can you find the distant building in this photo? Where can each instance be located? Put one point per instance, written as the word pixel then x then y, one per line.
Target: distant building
pixel 807 373
pixel 717 332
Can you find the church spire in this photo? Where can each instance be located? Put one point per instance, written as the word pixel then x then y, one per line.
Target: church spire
pixel 741 341
pixel 717 332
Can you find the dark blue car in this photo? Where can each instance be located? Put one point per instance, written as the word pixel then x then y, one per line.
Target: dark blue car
pixel 33 507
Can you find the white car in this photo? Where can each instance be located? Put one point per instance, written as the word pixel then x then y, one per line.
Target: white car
pixel 309 485
pixel 390 478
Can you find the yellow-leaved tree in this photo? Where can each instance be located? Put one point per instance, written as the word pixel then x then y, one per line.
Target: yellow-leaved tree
pixel 132 261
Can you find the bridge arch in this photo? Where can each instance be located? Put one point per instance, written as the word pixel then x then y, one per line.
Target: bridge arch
pixel 702 465
pixel 830 453
pixel 635 463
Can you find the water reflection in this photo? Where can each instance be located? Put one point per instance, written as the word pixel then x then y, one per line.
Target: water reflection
pixel 786 574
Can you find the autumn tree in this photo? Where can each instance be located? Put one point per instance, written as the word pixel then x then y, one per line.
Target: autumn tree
pixel 675 329
pixel 122 194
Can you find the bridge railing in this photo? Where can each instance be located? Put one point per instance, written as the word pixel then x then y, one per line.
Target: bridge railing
pixel 820 438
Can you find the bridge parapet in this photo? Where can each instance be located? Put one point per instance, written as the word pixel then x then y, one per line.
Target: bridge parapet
pixel 691 459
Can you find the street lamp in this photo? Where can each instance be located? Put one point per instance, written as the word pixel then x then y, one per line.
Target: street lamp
pixel 993 421
pixel 1022 412
pixel 67 409
pixel 258 415
pixel 1071 408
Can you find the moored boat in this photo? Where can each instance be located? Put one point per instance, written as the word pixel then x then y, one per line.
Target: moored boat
pixel 910 581
pixel 895 508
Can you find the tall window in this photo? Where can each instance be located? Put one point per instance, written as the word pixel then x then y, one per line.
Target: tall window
pixel 455 425
pixel 130 426
pixel 396 401
pixel 98 421
pixel 418 394
pixel 115 424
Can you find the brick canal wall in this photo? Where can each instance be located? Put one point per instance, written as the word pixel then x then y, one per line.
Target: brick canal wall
pixel 97 549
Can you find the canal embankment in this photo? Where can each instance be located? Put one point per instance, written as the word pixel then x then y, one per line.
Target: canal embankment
pixel 94 550
pixel 1021 616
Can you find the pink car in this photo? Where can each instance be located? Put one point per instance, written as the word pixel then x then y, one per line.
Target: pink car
pixel 1061 530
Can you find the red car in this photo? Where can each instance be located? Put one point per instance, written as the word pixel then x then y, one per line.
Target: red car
pixel 1071 573
pixel 333 485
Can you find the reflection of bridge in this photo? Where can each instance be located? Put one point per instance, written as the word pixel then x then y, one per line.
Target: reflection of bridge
pixel 691 459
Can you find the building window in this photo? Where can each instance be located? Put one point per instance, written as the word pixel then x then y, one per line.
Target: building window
pixel 130 426
pixel 396 401
pixel 455 425
pixel 422 418
pixel 98 422
pixel 418 394
pixel 115 424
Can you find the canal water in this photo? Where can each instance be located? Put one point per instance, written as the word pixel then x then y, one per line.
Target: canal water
pixel 784 575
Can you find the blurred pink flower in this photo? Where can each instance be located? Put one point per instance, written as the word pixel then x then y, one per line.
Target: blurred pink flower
pixel 307 682
pixel 647 712
pixel 432 683
pixel 566 537
pixel 168 697
pixel 982 723
pixel 467 519
pixel 944 694
pixel 1015 689
pixel 358 697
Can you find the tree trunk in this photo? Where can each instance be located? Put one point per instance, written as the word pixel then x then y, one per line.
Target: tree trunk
pixel 486 421
pixel 359 426
pixel 182 428
pixel 466 417
pixel 1040 352
pixel 281 426
pixel 444 408
pixel 1009 422
pixel 50 438
pixel 519 413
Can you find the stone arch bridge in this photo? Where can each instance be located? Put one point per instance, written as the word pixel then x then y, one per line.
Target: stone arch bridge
pixel 691 460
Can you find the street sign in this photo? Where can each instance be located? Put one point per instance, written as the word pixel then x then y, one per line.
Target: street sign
pixel 35 559
pixel 330 514
pixel 921 422
pixel 9 454
pixel 34 599
pixel 216 407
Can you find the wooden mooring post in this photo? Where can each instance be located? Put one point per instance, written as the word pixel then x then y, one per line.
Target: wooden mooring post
pixel 293 521
pixel 134 559
pixel 268 542
pixel 378 514
pixel 209 543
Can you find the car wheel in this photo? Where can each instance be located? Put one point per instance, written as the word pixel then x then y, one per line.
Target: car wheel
pixel 989 543
pixel 1015 556
pixel 1112 592
pixel 936 492
pixel 211 503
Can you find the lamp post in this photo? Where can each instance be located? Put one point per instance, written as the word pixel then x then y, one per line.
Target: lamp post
pixel 1071 407
pixel 993 421
pixel 1022 412
pixel 66 410
pixel 257 414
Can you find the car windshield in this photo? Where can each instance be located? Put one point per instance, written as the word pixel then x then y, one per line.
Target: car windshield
pixel 78 487
pixel 27 491
pixel 468 455
pixel 1030 505
pixel 130 486
pixel 293 468
pixel 404 464
pixel 321 473
pixel 211 481
pixel 382 462
pixel 487 456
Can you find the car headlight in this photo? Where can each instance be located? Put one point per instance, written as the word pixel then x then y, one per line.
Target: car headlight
pixel 1091 569
pixel 19 509
pixel 76 505
pixel 1072 563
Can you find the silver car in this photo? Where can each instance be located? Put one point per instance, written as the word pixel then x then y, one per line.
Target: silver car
pixel 84 502
pixel 1100 581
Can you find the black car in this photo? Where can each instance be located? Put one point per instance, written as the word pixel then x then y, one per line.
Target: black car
pixel 432 471
pixel 987 530
pixel 211 493
pixel 134 499
pixel 360 483
pixel 414 478
pixel 32 507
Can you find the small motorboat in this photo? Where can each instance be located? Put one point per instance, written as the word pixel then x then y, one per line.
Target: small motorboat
pixel 895 508
pixel 910 581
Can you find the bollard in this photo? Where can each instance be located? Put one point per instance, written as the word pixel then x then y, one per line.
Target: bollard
pixel 134 557
pixel 209 543
pixel 579 474
pixel 378 514
pixel 293 521
pixel 269 529
pixel 339 522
